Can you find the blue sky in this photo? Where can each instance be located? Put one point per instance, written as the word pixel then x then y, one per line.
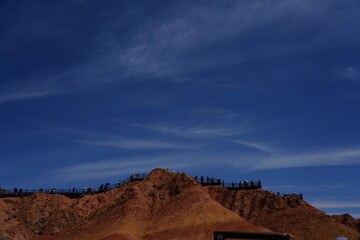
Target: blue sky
pixel 92 91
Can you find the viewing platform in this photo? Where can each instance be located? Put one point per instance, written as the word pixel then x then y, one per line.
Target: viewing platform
pixel 242 185
pixel 78 192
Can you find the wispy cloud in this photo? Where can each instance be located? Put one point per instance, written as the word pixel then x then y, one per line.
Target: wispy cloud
pixel 323 158
pixel 335 204
pixel 353 214
pixel 221 115
pixel 320 187
pixel 255 145
pixel 162 48
pixel 338 207
pixel 139 144
pixel 170 48
pixel 113 140
pixel 204 123
pixel 27 91
pixel 266 158
pixel 193 132
pixel 192 159
pixel 122 166
pixel 351 73
pixel 79 132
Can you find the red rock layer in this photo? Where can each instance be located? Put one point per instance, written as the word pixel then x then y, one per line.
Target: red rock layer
pixel 165 205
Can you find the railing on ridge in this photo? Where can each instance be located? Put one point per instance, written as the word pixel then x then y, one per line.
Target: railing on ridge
pixel 76 192
pixel 70 191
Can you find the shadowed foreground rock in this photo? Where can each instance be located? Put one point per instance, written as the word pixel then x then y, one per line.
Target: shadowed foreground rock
pixel 165 205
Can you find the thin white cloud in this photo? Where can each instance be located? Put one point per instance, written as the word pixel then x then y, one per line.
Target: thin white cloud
pixel 335 204
pixel 138 144
pixel 159 49
pixel 320 187
pixel 162 48
pixel 26 94
pixel 84 133
pixel 122 166
pixel 126 165
pixel 193 132
pixel 193 159
pixel 324 158
pixel 351 73
pixel 27 91
pixel 255 145
pixel 221 114
pixel 102 139
pixel 165 48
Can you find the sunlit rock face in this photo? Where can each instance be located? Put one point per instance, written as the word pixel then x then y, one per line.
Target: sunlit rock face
pixel 165 205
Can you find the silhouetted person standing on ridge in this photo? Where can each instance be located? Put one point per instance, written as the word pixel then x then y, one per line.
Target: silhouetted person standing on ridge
pixel 301 196
pixel 252 184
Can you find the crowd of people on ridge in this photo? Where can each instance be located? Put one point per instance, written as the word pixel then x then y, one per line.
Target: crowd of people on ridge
pixel 138 177
pixel 299 196
pixel 209 180
pixel 217 181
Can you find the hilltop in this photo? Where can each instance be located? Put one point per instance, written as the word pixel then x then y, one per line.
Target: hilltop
pixel 165 205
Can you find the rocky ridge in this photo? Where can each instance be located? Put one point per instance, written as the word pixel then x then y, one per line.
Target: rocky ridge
pixel 165 205
pixel 348 220
pixel 282 214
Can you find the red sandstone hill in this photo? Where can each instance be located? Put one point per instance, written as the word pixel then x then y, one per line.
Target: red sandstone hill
pixel 165 205
pixel 348 221
pixel 283 214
